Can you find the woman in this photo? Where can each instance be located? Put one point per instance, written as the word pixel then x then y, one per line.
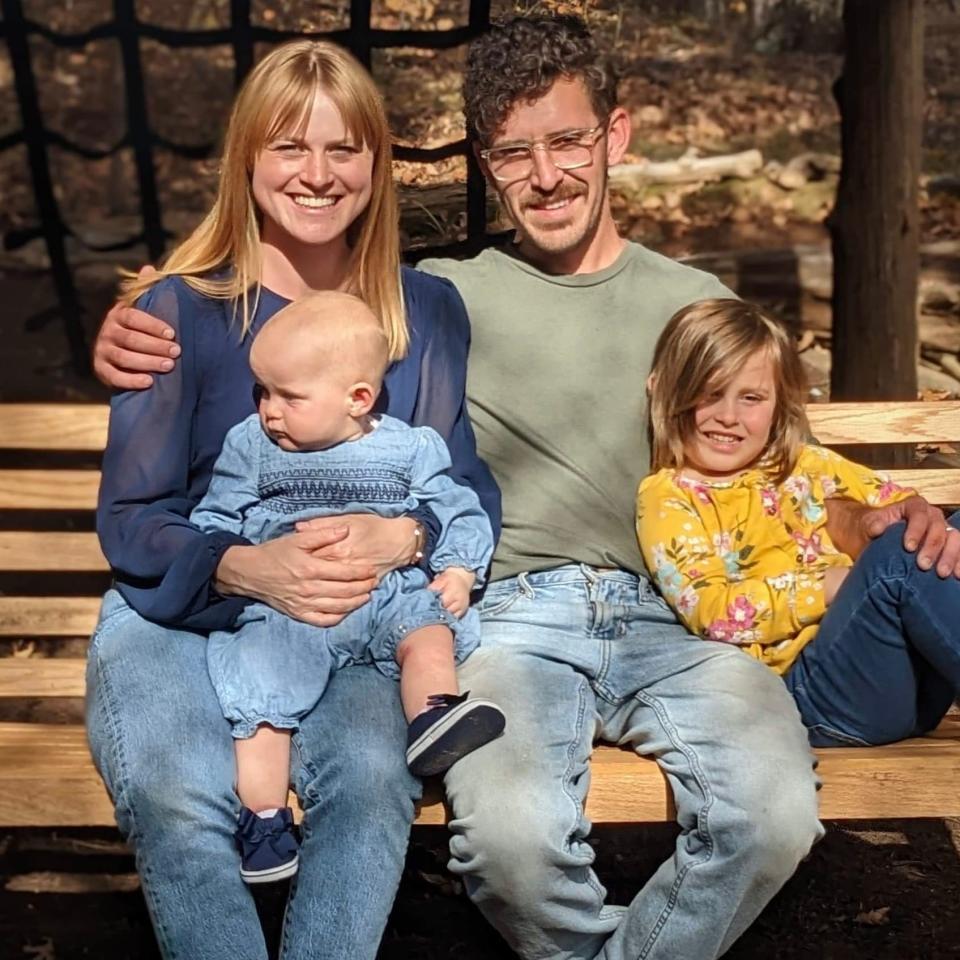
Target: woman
pixel 305 202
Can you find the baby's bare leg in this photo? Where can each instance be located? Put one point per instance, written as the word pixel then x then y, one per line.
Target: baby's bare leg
pixel 425 657
pixel 263 769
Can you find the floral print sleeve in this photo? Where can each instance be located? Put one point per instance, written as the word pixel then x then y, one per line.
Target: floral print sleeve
pixel 843 479
pixel 712 564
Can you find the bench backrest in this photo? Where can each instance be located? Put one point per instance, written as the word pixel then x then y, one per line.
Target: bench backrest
pixel 47 503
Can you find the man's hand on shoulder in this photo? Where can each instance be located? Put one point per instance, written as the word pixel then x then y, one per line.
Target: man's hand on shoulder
pixel 130 346
pixel 852 526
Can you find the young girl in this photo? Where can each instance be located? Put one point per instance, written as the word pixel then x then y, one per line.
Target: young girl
pixel 733 528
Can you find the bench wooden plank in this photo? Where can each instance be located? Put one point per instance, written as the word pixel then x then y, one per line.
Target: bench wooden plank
pixel 42 676
pixel 48 616
pixel 49 489
pixel 878 783
pixel 44 552
pixel 77 489
pixel 906 422
pixel 84 426
pixel 940 485
pixel 54 426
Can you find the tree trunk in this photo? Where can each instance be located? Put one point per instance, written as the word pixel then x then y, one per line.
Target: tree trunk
pixel 875 224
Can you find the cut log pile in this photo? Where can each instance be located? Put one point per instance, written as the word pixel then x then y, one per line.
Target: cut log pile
pixel 797 283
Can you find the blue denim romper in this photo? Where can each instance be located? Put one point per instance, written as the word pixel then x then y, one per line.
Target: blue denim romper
pixel 273 669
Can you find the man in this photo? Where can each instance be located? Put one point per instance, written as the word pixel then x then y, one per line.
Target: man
pixel 577 646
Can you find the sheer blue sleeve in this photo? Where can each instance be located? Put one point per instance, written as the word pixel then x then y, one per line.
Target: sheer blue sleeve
pixel 162 563
pixel 441 404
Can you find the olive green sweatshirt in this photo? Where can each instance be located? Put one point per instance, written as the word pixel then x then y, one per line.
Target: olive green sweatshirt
pixel 556 393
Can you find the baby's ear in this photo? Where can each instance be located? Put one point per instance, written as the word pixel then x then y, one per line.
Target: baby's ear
pixel 360 398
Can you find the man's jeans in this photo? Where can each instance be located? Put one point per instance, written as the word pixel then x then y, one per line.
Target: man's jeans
pixel 575 654
pixel 166 754
pixel 885 663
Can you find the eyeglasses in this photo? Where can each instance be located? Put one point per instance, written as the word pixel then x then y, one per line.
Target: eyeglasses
pixel 567 151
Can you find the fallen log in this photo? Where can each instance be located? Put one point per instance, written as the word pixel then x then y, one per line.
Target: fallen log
pixel 689 168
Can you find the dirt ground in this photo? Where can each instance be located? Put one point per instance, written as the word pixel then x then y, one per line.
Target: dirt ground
pixel 868 892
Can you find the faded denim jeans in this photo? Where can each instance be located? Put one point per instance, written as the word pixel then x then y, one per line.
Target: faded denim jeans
pixel 165 751
pixel 575 655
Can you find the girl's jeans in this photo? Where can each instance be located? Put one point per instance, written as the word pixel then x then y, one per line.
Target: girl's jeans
pixel 885 663
pixel 574 654
pixel 166 754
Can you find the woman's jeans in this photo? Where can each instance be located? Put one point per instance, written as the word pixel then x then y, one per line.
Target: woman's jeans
pixel 575 654
pixel 166 754
pixel 885 663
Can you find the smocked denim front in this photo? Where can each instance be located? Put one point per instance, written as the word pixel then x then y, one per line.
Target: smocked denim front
pixel 576 654
pixel 885 663
pixel 164 749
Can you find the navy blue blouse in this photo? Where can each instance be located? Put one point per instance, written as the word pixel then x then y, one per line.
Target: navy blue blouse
pixel 163 441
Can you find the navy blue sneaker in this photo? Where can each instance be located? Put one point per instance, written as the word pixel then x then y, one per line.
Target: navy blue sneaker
pixel 268 846
pixel 452 727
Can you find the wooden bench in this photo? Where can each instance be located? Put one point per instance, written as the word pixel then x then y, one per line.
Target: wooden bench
pixel 52 574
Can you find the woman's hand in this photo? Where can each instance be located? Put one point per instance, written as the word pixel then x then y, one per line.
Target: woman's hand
pixel 380 543
pixel 295 575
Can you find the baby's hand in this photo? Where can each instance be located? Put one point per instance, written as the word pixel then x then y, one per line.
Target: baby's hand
pixel 454 586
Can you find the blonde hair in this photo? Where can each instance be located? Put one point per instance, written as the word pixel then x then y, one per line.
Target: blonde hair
pixel 336 331
pixel 277 98
pixel 700 350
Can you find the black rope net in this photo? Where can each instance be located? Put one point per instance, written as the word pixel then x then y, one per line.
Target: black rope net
pixel 242 35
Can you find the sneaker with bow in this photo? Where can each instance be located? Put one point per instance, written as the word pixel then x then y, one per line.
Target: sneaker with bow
pixel 269 850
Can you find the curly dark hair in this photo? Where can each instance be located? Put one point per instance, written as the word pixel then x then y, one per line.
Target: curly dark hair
pixel 519 59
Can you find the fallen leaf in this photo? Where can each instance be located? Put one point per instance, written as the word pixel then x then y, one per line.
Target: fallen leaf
pixel 43 951
pixel 873 918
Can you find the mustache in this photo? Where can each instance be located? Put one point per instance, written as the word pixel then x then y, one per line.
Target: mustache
pixel 568 192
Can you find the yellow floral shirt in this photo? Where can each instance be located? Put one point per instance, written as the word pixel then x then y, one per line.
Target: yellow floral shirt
pixel 742 561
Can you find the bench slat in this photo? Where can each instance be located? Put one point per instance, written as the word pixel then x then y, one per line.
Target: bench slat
pixel 77 489
pixel 47 779
pixel 905 422
pixel 940 485
pixel 48 616
pixel 68 552
pixel 41 676
pixel 54 426
pixel 49 489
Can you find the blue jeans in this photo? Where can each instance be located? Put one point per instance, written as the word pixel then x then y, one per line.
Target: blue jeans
pixel 573 655
pixel 885 663
pixel 165 751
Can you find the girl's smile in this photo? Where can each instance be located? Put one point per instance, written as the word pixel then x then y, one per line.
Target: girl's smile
pixel 732 423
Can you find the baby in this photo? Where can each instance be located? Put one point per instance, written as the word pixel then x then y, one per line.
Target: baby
pixel 314 449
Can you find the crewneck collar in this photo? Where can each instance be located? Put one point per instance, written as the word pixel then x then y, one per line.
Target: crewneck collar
pixel 629 251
